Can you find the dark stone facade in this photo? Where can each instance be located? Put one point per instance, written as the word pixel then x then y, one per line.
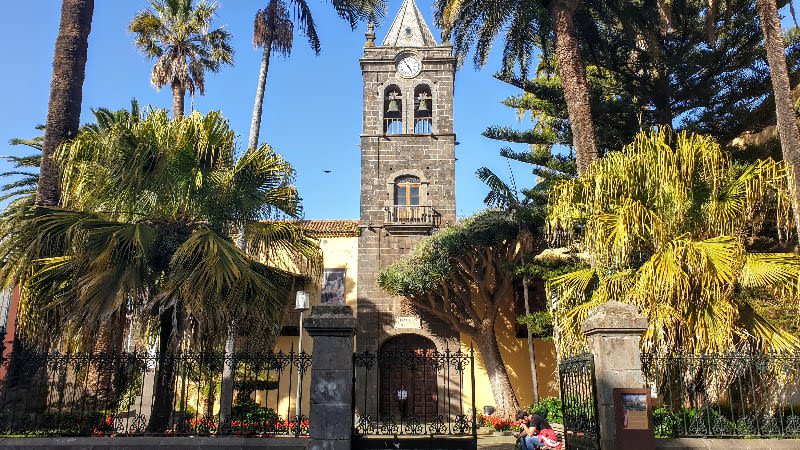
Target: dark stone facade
pixel 384 158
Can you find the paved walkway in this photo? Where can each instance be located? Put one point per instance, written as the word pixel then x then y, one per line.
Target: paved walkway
pixel 496 442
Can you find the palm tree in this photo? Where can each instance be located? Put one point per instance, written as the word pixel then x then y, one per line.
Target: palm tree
pixel 784 106
pixel 176 33
pixel 666 223
pixel 149 210
pixel 525 23
pixel 273 31
pixel 779 74
pixel 66 90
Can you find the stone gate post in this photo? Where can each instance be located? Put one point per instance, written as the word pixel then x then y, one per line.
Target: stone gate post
pixel 331 417
pixel 614 331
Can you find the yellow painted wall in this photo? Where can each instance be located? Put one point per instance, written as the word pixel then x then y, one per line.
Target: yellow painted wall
pixel 516 358
pixel 342 253
pixel 337 253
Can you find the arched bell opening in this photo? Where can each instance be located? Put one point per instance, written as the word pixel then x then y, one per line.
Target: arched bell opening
pixel 423 110
pixel 393 110
pixel 409 379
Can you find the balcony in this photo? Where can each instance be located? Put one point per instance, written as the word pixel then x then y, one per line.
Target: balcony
pixel 410 220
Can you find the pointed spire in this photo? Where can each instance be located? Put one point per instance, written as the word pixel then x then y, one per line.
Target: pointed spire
pixel 409 28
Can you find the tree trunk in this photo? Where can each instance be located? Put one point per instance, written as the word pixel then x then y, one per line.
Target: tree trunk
pixel 531 349
pixel 178 99
pixel 66 91
pixel 784 108
pixel 507 404
pixel 101 377
pixel 572 71
pixel 164 389
pixel 228 370
pixel 258 107
pixel 211 399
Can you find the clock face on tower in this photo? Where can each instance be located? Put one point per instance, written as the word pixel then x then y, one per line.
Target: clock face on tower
pixel 409 66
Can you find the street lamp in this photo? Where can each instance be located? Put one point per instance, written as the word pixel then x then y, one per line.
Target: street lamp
pixel 302 303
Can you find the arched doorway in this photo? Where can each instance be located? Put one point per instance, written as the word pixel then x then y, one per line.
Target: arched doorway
pixel 408 377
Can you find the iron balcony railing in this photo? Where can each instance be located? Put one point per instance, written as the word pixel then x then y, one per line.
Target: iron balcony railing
pixel 412 215
pixel 423 125
pixel 393 126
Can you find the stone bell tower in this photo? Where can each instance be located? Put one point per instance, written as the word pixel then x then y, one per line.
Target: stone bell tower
pixel 407 170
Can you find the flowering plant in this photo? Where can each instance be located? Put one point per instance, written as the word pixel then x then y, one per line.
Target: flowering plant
pixel 498 423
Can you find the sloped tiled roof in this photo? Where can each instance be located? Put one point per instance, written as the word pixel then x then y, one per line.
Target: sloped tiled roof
pixel 330 228
pixel 409 29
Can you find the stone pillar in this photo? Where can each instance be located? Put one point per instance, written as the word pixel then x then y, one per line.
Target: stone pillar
pixel 614 331
pixel 331 417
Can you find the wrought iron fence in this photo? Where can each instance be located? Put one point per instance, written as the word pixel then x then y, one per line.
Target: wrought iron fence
pixel 725 395
pixel 142 393
pixel 414 393
pixel 579 400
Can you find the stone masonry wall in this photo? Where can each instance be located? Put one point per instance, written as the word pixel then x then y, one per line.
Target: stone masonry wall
pixel 429 157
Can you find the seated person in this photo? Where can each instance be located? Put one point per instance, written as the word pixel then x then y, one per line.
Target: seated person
pixel 536 432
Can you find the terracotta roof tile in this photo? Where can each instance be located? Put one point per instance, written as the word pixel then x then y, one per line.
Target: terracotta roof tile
pixel 330 228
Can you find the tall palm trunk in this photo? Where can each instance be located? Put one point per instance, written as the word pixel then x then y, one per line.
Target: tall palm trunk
pixel 63 121
pixel 576 86
pixel 784 109
pixel 178 99
pixel 531 349
pixel 258 107
pixel 66 91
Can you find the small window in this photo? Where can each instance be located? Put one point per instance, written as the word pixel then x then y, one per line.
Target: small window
pixel 409 31
pixel 407 191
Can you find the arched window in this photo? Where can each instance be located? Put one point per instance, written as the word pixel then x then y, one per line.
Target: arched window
pixel 393 110
pixel 407 191
pixel 423 110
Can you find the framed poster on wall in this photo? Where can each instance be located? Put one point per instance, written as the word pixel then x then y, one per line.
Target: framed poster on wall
pixel 333 286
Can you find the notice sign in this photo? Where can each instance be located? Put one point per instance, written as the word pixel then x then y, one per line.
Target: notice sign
pixel 634 412
pixel 407 323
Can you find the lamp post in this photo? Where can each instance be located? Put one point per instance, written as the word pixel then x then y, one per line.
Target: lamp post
pixel 301 303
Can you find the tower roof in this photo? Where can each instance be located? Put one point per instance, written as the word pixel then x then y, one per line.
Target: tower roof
pixel 409 28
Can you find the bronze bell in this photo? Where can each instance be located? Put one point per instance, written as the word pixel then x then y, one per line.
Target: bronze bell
pixel 423 105
pixel 393 107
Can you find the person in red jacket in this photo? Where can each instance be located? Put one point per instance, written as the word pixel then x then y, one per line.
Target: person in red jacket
pixel 536 432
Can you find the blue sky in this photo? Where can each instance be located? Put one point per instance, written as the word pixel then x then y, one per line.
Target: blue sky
pixel 312 112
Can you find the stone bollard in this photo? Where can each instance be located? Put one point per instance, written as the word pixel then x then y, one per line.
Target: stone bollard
pixel 614 331
pixel 331 415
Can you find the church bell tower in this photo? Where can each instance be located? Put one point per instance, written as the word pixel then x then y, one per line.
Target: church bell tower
pixel 407 169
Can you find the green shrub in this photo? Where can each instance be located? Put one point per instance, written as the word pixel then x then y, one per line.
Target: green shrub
pixel 549 408
pixel 247 410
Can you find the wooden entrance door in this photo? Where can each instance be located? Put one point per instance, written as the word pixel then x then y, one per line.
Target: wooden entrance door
pixel 409 378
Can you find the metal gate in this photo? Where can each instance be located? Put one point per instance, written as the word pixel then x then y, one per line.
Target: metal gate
pixel 579 400
pixel 414 399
